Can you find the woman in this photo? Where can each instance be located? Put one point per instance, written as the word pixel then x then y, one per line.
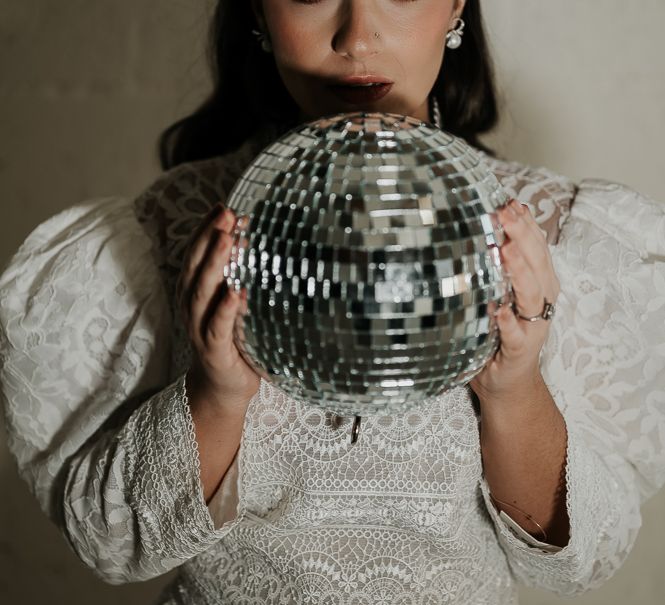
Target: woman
pixel 147 438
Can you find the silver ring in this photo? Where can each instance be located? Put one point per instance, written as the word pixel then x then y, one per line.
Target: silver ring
pixel 547 313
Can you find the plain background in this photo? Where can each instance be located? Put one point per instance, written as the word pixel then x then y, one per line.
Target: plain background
pixel 86 87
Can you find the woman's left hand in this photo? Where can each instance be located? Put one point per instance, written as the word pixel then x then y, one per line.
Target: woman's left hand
pixel 526 258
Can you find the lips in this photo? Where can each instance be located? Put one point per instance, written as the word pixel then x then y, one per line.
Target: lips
pixel 361 90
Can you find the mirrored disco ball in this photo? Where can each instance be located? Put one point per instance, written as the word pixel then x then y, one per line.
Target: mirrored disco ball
pixel 370 259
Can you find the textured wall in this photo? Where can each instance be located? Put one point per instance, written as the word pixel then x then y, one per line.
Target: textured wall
pixel 85 88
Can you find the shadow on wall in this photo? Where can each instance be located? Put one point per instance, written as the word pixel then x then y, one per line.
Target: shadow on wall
pixel 37 567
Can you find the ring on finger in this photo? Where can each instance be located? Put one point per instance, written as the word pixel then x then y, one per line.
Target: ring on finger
pixel 549 309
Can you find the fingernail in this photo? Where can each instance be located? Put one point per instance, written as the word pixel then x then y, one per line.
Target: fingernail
pixel 517 207
pixel 223 216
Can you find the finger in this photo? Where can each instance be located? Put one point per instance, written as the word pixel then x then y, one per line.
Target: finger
pixel 206 288
pixel 200 244
pixel 538 230
pixel 554 287
pixel 529 293
pixel 517 223
pixel 196 248
pixel 219 327
pixel 243 301
pixel 533 245
pixel 525 211
pixel 204 227
pixel 540 234
pixel 520 221
pixel 190 273
pixel 219 218
pixel 513 337
pixel 225 221
pixel 242 310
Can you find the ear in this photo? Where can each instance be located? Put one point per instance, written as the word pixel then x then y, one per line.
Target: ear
pixel 459 8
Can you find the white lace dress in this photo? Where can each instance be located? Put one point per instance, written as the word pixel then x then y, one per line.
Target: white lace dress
pixel 92 361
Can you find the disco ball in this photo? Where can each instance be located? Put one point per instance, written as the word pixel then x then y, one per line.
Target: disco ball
pixel 371 263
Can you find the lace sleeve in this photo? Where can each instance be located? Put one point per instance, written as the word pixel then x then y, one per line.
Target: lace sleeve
pixel 107 450
pixel 604 364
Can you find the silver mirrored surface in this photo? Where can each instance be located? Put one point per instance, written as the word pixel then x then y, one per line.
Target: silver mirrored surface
pixel 371 263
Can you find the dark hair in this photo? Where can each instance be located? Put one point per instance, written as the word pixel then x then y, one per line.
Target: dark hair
pixel 249 96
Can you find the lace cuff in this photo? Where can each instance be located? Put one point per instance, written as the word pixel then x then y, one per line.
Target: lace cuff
pixel 166 468
pixel 525 536
pixel 134 505
pixel 506 524
pixel 590 500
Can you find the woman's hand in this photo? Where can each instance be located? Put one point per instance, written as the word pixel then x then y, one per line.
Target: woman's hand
pixel 209 309
pixel 523 435
pixel 527 260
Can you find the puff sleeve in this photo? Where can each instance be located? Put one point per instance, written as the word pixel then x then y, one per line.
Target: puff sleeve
pixel 100 430
pixel 604 364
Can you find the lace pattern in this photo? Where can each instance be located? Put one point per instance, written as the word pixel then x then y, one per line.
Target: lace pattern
pixel 79 338
pixel 403 501
pixel 90 346
pixel 549 195
pixel 153 462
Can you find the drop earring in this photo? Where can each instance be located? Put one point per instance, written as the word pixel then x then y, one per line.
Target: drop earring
pixel 263 40
pixel 454 36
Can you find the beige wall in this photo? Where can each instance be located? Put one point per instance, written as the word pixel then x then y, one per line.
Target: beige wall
pixel 85 87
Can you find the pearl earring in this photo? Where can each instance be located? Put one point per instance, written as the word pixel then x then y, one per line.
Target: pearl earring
pixel 454 36
pixel 263 40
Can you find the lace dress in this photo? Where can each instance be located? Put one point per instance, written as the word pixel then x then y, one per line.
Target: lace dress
pixel 92 364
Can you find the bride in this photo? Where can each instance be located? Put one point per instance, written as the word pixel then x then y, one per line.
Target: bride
pixel 149 441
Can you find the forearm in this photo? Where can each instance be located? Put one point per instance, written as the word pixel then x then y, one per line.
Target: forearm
pixel 218 427
pixel 523 443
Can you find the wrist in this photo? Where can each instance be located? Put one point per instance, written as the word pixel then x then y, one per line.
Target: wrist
pixel 204 394
pixel 526 398
pixel 510 387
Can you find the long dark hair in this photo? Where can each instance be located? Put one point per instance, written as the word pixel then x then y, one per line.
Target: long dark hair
pixel 249 96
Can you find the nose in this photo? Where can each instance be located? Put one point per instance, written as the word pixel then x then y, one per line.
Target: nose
pixel 357 36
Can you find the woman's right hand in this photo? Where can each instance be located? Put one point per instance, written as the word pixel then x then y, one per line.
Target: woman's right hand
pixel 209 310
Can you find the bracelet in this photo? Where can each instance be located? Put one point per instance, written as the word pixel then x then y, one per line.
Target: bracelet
pixel 527 515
